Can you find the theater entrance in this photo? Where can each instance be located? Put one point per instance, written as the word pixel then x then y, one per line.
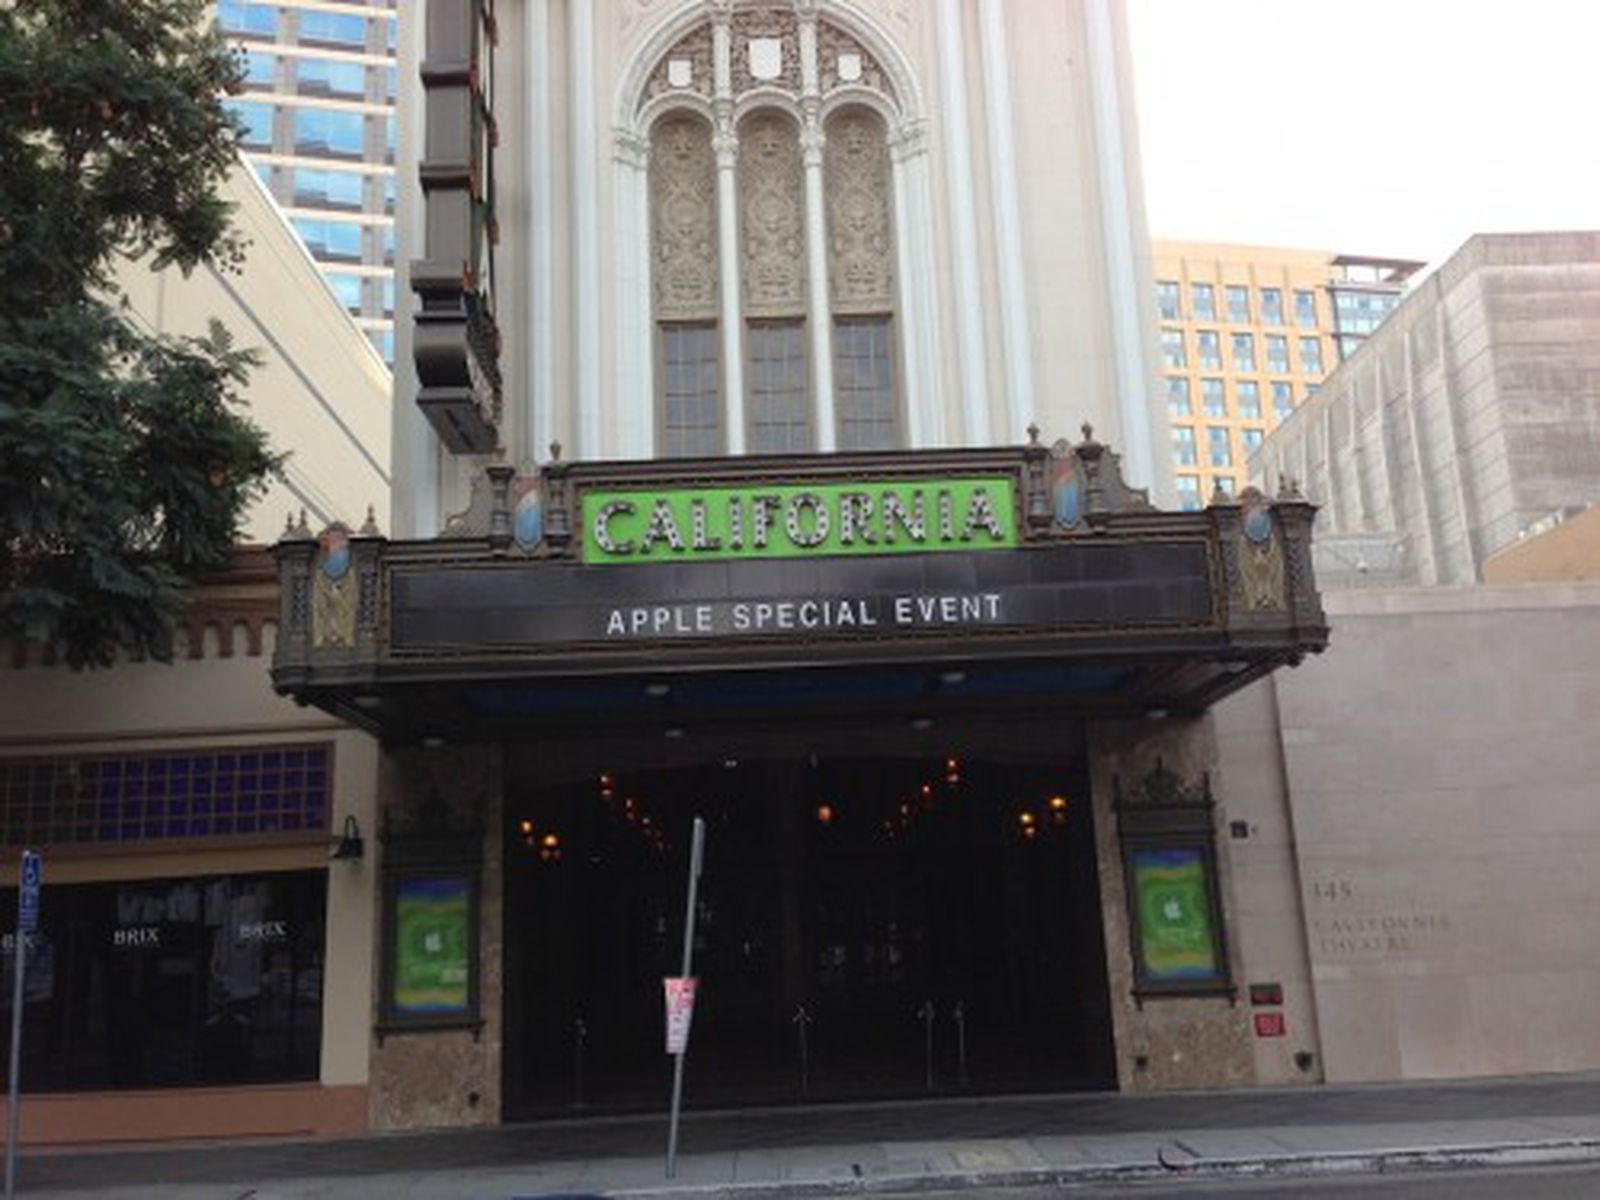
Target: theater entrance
pixel 870 925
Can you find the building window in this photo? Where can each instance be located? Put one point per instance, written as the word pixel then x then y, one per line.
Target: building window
pixel 386 296
pixel 1311 355
pixel 1277 353
pixel 161 983
pixel 1249 399
pixel 1271 306
pixel 386 243
pixel 1238 300
pixel 1224 484
pixel 1282 399
pixel 691 417
pixel 389 191
pixel 1244 352
pixel 343 30
pixel 1189 493
pixel 1183 449
pixel 1218 451
pixel 330 77
pixel 780 408
pixel 863 384
pixel 1250 440
pixel 327 189
pixel 260 69
pixel 1167 299
pixel 1212 397
pixel 1177 396
pixel 329 132
pixel 390 83
pixel 330 241
pixel 1202 302
pixel 1305 309
pixel 257 120
pixel 346 287
pixel 249 20
pixel 1348 344
pixel 383 342
pixel 1172 351
pixel 1208 349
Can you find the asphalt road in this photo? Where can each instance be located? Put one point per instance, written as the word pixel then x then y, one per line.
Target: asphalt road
pixel 1532 1183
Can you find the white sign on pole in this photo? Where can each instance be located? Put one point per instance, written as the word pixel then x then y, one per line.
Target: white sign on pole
pixel 680 1012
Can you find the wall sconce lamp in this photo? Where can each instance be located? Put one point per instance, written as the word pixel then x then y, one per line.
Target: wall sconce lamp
pixel 348 846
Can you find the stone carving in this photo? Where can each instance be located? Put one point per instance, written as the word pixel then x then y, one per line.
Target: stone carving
pixel 860 237
pixel 683 206
pixel 687 67
pixel 757 61
pixel 1260 550
pixel 773 216
pixel 333 590
pixel 1163 788
pixel 842 61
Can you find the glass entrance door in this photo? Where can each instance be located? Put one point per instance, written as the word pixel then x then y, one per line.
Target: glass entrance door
pixel 868 927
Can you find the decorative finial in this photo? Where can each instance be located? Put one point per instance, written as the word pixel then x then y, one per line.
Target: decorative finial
pixel 369 527
pixel 1218 494
pixel 300 531
pixel 288 523
pixel 1088 431
pixel 1033 433
pixel 555 452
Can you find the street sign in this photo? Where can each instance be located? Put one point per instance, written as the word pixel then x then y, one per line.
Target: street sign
pixel 680 1012
pixel 28 893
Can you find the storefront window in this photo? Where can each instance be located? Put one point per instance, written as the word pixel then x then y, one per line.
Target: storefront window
pixel 172 983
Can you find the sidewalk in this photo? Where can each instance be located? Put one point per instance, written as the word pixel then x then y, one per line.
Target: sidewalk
pixel 862 1149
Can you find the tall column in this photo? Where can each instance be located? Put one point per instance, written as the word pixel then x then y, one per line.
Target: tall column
pixel 925 416
pixel 812 142
pixel 1132 377
pixel 586 359
pixel 539 430
pixel 964 230
pixel 1010 262
pixel 726 144
pixel 635 386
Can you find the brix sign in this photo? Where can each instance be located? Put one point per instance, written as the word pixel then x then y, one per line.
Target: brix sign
pixel 888 516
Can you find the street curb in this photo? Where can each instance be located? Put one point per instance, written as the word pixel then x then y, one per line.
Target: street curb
pixel 1558 1152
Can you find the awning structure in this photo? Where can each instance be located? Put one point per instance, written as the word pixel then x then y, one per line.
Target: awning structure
pixel 910 583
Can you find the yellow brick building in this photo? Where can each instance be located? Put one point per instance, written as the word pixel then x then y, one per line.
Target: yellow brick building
pixel 1247 334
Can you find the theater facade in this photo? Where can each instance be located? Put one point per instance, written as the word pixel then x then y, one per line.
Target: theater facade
pixel 944 713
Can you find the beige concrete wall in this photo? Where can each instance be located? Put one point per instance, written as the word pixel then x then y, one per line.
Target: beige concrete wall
pixel 1262 885
pixel 321 391
pixel 1442 761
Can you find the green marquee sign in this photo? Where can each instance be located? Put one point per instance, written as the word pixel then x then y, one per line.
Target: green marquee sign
pixel 886 516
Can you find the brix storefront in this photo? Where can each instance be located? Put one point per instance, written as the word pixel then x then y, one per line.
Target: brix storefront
pixel 943 713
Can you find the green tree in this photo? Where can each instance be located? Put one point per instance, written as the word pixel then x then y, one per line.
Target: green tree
pixel 126 460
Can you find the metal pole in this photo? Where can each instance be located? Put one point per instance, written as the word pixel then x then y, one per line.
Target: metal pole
pixel 27 922
pixel 801 1020
pixel 697 845
pixel 580 1033
pixel 927 1012
pixel 961 1041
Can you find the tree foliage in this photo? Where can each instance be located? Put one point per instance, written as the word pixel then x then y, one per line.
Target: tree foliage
pixel 126 461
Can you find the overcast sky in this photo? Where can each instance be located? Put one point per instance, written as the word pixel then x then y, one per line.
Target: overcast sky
pixel 1387 127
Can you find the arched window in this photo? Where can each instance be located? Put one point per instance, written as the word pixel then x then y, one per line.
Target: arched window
pixel 684 285
pixel 772 273
pixel 861 285
pixel 773 256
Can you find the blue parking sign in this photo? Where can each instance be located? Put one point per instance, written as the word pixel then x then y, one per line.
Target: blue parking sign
pixel 28 892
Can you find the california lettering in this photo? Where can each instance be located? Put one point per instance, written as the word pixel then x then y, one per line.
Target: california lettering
pixel 889 517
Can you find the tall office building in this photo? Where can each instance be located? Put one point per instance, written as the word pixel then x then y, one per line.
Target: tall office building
pixel 318 110
pixel 1247 334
